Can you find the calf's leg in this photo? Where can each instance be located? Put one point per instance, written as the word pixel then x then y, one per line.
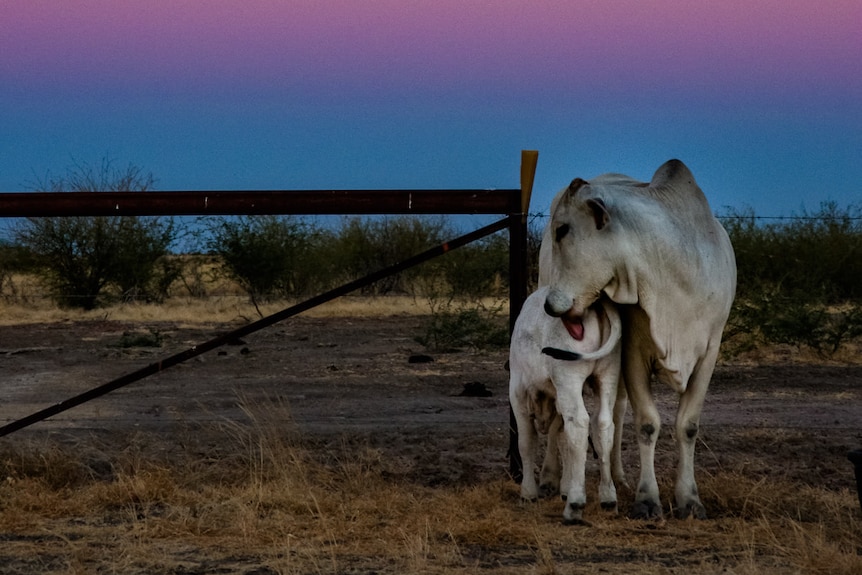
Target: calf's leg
pixel 576 429
pixel 549 477
pixel 527 439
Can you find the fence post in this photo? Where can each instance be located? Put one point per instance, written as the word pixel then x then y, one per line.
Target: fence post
pixel 518 270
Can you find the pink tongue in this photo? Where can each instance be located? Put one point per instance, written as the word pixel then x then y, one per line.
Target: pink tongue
pixel 575 328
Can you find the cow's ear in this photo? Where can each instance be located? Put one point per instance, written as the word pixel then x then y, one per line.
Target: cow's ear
pixel 572 190
pixel 576 185
pixel 600 212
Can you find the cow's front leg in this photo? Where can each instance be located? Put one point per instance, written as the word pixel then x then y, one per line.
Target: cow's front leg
pixel 576 429
pixel 647 426
pixel 602 424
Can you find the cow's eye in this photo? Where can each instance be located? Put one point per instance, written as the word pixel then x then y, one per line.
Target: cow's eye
pixel 561 231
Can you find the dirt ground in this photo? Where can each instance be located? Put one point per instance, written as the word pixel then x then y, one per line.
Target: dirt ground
pixel 359 379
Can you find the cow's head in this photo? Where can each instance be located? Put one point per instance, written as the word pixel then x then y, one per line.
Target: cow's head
pixel 585 253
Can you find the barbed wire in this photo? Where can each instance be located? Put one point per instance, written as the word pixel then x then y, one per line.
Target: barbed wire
pixel 753 217
pixel 794 218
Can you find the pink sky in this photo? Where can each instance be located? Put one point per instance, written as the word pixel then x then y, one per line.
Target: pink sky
pixel 399 44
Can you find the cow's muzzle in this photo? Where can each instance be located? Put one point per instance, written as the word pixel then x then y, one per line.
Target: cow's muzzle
pixel 557 303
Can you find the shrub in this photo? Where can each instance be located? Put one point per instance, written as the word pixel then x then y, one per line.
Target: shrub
pixel 477 270
pixel 366 245
pixel 269 256
pixel 78 257
pixel 454 325
pixel 812 256
pixel 799 280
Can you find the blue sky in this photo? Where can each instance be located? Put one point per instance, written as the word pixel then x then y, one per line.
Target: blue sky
pixel 762 100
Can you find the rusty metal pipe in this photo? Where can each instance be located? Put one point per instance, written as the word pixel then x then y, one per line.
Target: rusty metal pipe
pixel 298 202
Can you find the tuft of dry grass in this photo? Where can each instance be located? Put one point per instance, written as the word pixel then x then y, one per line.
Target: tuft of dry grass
pixel 264 501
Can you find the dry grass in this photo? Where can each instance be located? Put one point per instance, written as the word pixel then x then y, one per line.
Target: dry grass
pixel 196 311
pixel 224 302
pixel 264 502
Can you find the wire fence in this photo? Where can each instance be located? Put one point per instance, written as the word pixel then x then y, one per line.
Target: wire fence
pixel 843 218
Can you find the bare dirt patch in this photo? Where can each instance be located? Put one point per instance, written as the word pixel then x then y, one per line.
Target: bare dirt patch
pixel 348 385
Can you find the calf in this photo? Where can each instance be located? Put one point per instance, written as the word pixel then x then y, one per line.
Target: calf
pixel 540 385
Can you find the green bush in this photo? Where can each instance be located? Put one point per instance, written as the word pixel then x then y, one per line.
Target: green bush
pixel 455 325
pixel 366 245
pixel 79 257
pixel 270 256
pixel 13 259
pixel 477 270
pixel 799 279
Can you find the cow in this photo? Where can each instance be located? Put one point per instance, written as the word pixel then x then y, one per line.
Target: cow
pixel 549 362
pixel 656 250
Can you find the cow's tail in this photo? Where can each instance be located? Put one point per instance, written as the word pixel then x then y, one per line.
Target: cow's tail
pixel 609 345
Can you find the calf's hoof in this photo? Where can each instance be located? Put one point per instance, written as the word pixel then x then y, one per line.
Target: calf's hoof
pixel 529 495
pixel 573 514
pixel 646 509
pixel 609 506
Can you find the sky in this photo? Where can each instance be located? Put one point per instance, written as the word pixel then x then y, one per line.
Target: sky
pixel 762 99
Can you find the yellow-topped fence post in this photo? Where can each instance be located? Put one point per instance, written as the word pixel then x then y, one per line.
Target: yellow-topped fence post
pixel 518 280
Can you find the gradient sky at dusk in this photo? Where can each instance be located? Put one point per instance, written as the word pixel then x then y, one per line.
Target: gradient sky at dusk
pixel 762 99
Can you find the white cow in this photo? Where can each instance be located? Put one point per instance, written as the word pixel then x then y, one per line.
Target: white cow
pixel 657 250
pixel 541 385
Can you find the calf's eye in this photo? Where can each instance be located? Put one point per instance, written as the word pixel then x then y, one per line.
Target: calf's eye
pixel 561 231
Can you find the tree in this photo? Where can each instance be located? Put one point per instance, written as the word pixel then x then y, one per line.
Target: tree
pixel 269 256
pixel 80 256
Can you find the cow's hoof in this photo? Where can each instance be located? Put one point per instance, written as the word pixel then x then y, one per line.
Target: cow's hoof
pixel 646 510
pixel 694 509
pixel 609 505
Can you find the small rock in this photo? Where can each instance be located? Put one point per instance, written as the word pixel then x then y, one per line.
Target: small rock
pixel 475 389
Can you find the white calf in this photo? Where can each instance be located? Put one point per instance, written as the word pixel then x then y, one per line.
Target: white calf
pixel 539 383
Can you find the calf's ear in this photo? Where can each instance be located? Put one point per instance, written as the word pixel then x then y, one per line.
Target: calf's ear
pixel 600 212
